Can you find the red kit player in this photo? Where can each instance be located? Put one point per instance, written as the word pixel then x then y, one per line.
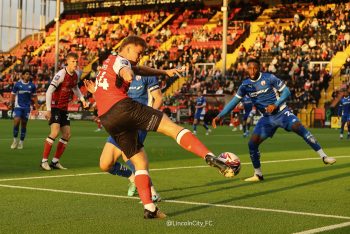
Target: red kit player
pixel 122 117
pixel 58 95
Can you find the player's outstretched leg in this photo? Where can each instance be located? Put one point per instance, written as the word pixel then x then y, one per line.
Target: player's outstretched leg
pixel 253 145
pixel 299 129
pixel 191 143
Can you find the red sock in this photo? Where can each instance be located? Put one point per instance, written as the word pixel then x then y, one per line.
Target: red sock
pixel 143 185
pixel 99 125
pixel 61 146
pixel 191 143
pixel 47 147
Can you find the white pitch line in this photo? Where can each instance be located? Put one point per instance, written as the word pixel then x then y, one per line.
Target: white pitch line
pixel 158 169
pixel 179 202
pixel 325 228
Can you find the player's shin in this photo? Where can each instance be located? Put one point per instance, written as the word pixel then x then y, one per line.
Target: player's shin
pixel 191 143
pixel 23 133
pixel 308 138
pixel 15 131
pixel 143 184
pixel 120 170
pixel 47 148
pixel 255 156
pixel 61 146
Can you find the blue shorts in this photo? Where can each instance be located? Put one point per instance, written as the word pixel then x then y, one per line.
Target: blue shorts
pixel 198 115
pixel 141 138
pixel 22 113
pixel 345 118
pixel 267 125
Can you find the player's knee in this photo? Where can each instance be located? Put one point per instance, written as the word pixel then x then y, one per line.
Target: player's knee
pixel 296 127
pixel 66 136
pixel 105 167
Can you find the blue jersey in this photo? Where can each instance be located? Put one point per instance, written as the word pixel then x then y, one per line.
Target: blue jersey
pixel 24 93
pixel 262 91
pixel 247 104
pixel 199 102
pixel 344 107
pixel 140 86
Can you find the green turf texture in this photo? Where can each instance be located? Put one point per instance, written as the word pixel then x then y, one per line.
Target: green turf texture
pixel 301 186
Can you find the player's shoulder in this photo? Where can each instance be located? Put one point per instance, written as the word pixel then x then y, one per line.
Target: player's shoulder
pixel 120 60
pixel 60 73
pixel 246 82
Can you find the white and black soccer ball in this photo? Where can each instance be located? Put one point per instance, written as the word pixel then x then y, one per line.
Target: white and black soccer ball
pixel 231 160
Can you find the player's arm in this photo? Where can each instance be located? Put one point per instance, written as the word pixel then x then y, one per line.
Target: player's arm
pixel 36 103
pixel 158 98
pixel 80 96
pixel 148 71
pixel 340 108
pixel 55 82
pixel 127 74
pixel 227 109
pixel 282 89
pixel 13 96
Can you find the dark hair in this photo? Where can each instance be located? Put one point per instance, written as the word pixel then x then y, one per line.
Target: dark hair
pixel 253 60
pixel 72 55
pixel 135 40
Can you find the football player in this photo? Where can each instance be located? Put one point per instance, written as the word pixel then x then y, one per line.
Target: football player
pixel 260 87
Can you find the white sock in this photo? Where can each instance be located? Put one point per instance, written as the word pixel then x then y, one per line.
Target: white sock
pixel 44 160
pixel 55 160
pixel 132 178
pixel 21 142
pixel 151 207
pixel 322 153
pixel 258 171
pixel 14 139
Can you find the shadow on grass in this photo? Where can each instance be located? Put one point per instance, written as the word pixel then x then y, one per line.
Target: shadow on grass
pixel 271 178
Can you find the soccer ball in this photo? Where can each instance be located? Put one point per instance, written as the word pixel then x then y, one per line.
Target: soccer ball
pixel 231 160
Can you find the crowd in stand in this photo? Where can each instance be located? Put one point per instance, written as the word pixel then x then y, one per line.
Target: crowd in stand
pixel 284 51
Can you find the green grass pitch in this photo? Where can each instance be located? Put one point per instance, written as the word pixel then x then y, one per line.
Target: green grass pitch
pixel 299 193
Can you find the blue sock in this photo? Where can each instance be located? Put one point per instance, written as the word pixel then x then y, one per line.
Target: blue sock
pixel 23 133
pixel 254 154
pixel 205 126
pixel 15 131
pixel 120 170
pixel 308 138
pixel 131 166
pixel 194 127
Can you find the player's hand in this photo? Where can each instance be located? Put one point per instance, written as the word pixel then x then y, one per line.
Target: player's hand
pixel 173 72
pixel 85 104
pixel 48 115
pixel 271 108
pixel 213 122
pixel 90 86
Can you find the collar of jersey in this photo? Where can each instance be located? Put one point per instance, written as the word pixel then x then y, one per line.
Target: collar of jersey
pixel 68 72
pixel 257 79
pixel 24 82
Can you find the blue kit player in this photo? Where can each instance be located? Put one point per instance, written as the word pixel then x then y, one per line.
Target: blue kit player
pixel 22 93
pixel 344 112
pixel 261 87
pixel 247 108
pixel 199 113
pixel 139 90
